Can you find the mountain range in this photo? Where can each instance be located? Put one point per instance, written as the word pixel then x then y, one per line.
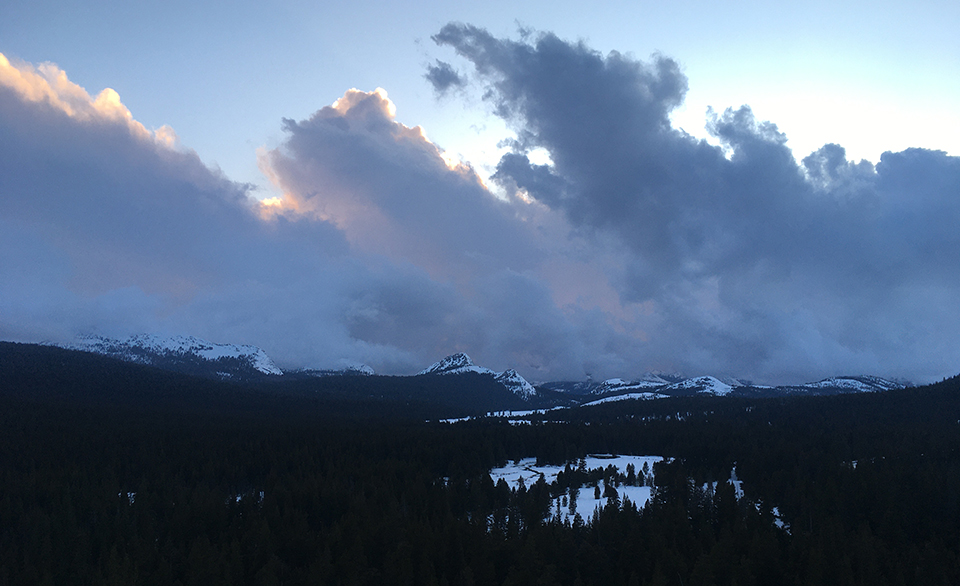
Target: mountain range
pixel 245 363
pixel 677 385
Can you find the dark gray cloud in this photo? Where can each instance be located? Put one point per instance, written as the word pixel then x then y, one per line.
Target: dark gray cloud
pixel 751 262
pixel 443 77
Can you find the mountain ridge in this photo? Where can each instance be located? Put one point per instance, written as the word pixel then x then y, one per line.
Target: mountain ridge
pixel 649 386
pixel 460 363
pixel 183 354
pixel 192 355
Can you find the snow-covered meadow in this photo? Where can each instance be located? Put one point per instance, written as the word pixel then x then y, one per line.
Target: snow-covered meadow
pixel 527 471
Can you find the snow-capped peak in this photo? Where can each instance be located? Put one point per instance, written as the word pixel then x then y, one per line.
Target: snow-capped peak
pixel 360 369
pixel 455 364
pixel 511 379
pixel 460 363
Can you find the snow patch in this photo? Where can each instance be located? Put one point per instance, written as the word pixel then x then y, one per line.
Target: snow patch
pixel 645 396
pixel 586 502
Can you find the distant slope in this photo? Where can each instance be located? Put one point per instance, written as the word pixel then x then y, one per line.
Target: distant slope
pixel 856 384
pixel 661 386
pixel 52 375
pixel 185 354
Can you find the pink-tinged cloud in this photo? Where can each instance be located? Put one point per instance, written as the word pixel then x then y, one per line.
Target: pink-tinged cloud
pixel 394 193
pixel 381 251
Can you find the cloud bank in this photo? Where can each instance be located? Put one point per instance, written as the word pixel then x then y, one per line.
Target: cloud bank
pixel 381 251
pixel 635 247
pixel 754 262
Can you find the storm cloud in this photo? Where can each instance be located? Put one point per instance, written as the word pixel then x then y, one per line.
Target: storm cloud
pixel 753 262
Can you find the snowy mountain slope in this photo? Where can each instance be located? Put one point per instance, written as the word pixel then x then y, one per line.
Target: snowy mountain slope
pixel 706 385
pixel 170 351
pixel 674 385
pixel 618 385
pixel 460 363
pixel 644 396
pixel 511 379
pixel 856 384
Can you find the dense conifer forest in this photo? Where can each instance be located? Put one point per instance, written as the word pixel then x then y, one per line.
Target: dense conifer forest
pixel 112 473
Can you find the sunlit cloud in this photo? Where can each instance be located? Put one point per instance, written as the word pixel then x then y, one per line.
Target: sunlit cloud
pixel 450 160
pixel 354 98
pixel 272 202
pixel 166 136
pixel 392 191
pixel 49 84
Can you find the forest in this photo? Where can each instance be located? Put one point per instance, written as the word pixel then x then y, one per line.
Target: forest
pixel 112 473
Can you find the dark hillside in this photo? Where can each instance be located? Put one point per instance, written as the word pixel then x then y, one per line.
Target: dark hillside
pixel 48 374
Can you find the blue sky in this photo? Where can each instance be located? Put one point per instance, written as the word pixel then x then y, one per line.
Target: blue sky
pixel 870 76
pixel 730 250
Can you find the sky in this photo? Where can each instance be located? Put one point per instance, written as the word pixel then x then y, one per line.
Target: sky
pixel 766 192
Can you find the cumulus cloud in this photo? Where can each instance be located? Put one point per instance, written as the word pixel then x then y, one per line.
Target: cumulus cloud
pixel 48 84
pixel 393 192
pixel 382 249
pixel 751 262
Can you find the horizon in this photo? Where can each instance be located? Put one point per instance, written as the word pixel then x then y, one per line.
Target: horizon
pixel 137 339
